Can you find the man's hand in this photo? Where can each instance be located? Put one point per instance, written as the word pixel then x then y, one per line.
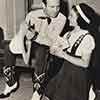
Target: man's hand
pixel 30 34
pixel 31 31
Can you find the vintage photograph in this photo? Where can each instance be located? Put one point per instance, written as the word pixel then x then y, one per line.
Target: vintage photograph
pixel 49 50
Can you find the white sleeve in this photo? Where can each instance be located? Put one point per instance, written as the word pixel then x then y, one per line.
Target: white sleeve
pixel 88 44
pixel 28 17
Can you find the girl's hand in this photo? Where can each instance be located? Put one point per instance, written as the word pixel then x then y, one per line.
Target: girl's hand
pixel 57 51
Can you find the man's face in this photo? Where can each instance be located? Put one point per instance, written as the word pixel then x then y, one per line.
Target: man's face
pixel 52 8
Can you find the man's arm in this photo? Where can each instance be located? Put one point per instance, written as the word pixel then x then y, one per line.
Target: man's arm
pixel 26 54
pixel 30 34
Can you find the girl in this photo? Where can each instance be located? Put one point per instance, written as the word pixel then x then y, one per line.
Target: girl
pixel 72 82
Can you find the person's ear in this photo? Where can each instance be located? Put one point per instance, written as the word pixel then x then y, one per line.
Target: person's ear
pixel 43 5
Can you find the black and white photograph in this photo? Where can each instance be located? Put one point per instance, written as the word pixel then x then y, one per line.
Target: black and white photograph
pixel 49 50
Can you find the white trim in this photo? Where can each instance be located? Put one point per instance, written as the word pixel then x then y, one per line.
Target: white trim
pixel 82 14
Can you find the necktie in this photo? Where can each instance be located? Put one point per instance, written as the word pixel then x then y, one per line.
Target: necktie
pixel 43 18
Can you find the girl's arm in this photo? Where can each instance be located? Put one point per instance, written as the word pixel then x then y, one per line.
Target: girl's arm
pixel 83 61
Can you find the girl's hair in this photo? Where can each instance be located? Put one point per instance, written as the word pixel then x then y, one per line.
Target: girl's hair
pixel 90 14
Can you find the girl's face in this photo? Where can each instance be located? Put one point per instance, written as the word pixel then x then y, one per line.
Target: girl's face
pixel 73 18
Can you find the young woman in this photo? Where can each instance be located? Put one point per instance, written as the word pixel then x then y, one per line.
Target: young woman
pixel 72 82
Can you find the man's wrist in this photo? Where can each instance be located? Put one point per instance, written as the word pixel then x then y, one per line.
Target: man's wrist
pixel 28 40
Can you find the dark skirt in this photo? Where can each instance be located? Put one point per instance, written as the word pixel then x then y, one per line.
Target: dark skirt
pixel 71 83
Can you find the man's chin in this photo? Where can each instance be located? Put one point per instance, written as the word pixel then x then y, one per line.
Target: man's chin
pixel 54 15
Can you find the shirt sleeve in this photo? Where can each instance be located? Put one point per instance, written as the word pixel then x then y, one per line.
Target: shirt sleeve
pixel 30 17
pixel 87 44
pixel 60 25
pixel 27 18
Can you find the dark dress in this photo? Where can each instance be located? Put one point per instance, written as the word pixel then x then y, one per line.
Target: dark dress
pixel 71 82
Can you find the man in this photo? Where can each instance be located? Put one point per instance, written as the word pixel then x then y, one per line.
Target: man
pixel 37 33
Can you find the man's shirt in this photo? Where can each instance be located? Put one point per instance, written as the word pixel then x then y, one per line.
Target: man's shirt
pixel 48 33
